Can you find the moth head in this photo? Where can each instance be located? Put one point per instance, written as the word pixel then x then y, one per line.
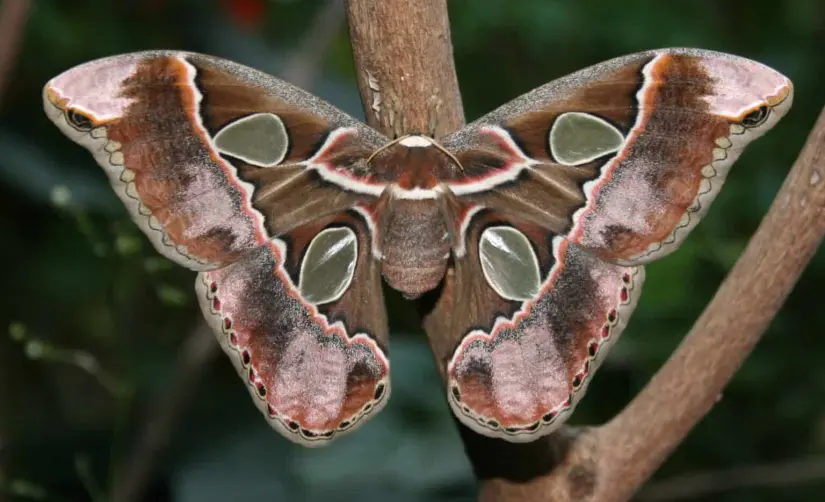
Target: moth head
pixel 416 141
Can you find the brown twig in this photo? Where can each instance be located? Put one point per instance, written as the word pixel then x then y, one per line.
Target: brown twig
pixel 200 347
pixel 13 16
pixel 403 67
pixel 702 484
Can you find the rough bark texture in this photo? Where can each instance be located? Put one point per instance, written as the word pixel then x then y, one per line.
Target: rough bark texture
pixel 407 81
pixel 404 61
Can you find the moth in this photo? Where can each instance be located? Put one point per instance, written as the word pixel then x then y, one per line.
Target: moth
pixel 535 220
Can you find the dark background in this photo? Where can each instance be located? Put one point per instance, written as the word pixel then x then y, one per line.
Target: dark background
pixel 79 276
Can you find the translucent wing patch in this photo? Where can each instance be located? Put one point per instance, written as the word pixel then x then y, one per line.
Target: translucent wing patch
pixel 328 265
pixel 259 139
pixel 578 138
pixel 509 263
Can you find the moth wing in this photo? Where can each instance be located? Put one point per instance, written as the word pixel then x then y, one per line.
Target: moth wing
pixel 303 321
pixel 211 158
pixel 625 157
pixel 263 189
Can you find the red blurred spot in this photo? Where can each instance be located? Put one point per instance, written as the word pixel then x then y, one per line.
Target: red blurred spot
pixel 248 14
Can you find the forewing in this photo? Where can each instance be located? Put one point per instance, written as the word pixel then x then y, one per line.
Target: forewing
pixel 625 157
pixel 210 157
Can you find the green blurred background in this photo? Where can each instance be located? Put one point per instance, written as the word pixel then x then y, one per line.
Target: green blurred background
pixel 80 277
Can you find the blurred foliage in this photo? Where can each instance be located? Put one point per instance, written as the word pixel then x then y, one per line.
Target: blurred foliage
pixel 82 282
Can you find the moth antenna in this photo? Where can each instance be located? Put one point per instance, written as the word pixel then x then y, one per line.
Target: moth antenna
pixel 448 154
pixel 384 147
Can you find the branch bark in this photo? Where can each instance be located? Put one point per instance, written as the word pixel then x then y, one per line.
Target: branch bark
pixel 404 63
pixel 699 485
pixel 404 68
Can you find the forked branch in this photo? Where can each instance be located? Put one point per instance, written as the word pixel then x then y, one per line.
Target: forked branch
pixel 404 64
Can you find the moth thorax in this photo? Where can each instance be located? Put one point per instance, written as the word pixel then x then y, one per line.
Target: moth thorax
pixel 415 247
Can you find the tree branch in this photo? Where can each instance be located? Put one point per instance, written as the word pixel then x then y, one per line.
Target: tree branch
pixel 404 68
pixel 404 62
pixel 698 485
